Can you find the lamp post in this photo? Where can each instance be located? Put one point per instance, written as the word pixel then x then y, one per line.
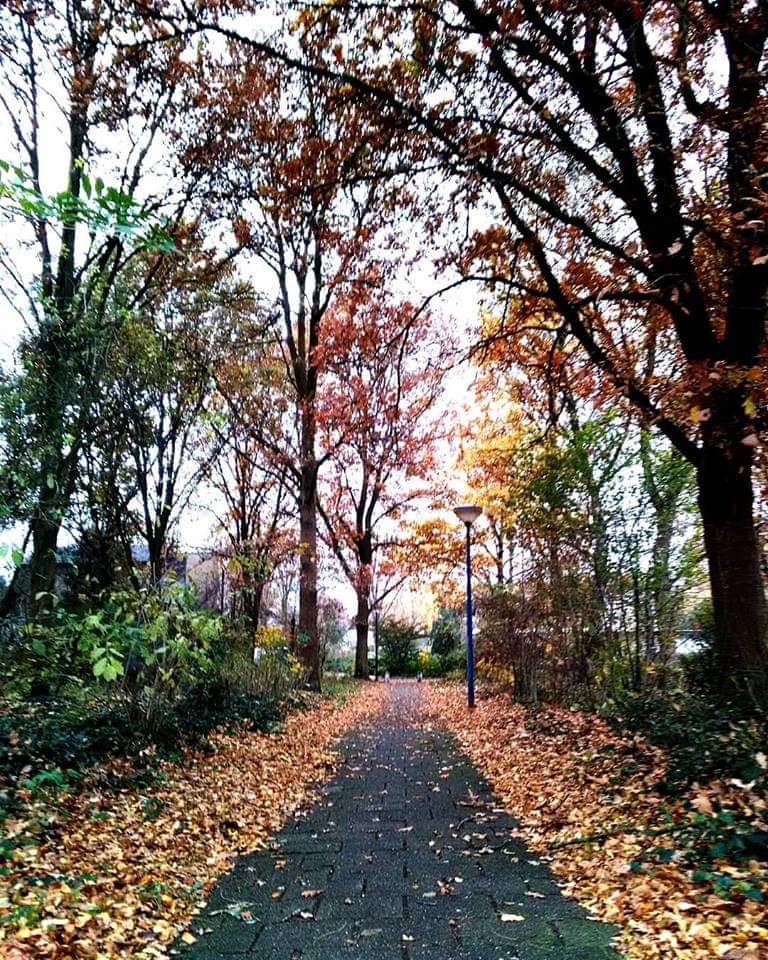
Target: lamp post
pixel 468 514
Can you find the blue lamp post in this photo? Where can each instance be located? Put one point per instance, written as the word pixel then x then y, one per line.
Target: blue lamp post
pixel 468 514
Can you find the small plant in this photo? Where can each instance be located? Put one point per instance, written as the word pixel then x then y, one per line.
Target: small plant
pixel 269 638
pixel 152 807
pixel 721 848
pixel 153 892
pixel 50 783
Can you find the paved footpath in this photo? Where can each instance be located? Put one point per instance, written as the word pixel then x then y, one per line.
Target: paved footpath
pixel 405 857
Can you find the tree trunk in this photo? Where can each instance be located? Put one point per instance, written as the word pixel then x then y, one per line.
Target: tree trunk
pixel 44 534
pixel 252 599
pixel 156 562
pixel 13 599
pixel 662 613
pixel 361 624
pixel 42 565
pixel 307 642
pixel 738 596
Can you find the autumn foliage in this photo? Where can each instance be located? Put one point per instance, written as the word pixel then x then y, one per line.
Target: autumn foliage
pixel 237 243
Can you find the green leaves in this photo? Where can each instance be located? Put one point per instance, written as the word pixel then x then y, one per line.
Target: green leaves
pixel 16 555
pixel 102 210
pixel 166 637
pixel 108 664
pixel 50 782
pixel 39 647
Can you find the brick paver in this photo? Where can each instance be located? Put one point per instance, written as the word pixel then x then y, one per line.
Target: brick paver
pixel 405 857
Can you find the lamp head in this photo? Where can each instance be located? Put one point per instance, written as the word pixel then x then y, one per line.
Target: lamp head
pixel 468 513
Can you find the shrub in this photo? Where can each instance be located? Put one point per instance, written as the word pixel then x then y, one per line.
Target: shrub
pixel 397 648
pixel 703 737
pixel 445 635
pixel 269 638
pixel 273 672
pixel 148 637
pixel 143 667
pixel 342 664
pixel 155 656
pixel 451 664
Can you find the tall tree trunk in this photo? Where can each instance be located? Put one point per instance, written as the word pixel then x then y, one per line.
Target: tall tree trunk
pixel 308 647
pixel 361 624
pixel 55 490
pixel 57 471
pixel 601 567
pixel 725 498
pixel 662 613
pixel 666 478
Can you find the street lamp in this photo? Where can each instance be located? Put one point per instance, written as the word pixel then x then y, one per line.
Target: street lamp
pixel 468 514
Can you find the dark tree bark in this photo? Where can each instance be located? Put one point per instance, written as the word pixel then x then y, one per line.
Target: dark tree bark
pixel 307 640
pixel 725 499
pixel 364 548
pixel 362 620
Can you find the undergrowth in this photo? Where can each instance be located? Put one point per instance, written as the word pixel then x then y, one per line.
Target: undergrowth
pixel 716 785
pixel 703 738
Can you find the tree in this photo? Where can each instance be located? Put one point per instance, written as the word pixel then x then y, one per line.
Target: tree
pixel 160 389
pixel 397 642
pixel 252 482
pixel 668 481
pixel 445 634
pixel 332 626
pixel 598 589
pixel 489 440
pixel 382 370
pixel 624 148
pixel 58 62
pixel 300 178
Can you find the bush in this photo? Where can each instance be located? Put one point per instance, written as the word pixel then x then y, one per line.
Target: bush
pixel 429 665
pixel 342 664
pixel 274 672
pixel 139 638
pixel 445 635
pixel 703 737
pixel 451 664
pixel 397 648
pixel 145 667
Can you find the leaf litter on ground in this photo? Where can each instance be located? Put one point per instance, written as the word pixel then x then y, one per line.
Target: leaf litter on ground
pixel 587 801
pixel 93 876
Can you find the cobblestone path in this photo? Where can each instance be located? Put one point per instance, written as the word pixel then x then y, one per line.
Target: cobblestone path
pixel 405 857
